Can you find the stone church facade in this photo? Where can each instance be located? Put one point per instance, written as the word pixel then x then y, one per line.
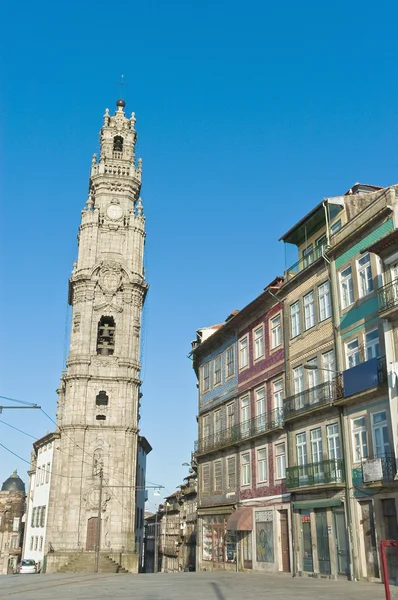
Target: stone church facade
pixel 98 398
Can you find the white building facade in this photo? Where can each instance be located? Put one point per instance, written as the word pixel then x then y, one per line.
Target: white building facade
pixel 40 475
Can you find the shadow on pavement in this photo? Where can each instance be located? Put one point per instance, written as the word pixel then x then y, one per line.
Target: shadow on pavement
pixel 217 591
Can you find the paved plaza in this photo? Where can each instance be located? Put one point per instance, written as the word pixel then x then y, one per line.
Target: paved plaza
pixel 183 586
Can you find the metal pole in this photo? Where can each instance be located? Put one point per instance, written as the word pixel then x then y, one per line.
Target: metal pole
pixel 98 536
pixel 156 547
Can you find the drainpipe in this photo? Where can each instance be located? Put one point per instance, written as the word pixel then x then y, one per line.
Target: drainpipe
pixel 339 363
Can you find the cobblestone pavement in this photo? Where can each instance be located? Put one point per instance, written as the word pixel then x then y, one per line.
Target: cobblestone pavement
pixel 183 586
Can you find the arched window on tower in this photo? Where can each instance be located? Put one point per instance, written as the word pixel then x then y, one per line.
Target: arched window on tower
pixel 118 146
pixel 106 336
pixel 102 399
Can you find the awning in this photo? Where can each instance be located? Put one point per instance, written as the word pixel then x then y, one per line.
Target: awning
pixel 317 503
pixel 241 520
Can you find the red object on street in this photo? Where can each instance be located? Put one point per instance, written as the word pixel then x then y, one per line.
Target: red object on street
pixel 384 566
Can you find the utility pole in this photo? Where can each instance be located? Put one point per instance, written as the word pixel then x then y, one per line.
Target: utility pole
pixel 156 545
pixel 98 535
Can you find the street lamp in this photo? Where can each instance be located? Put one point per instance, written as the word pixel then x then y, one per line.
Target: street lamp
pixel 310 367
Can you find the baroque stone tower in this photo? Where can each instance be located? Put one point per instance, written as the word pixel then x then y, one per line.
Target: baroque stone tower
pixel 98 403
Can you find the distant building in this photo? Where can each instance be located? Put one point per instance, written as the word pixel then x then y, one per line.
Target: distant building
pixel 40 476
pixel 143 449
pixel 12 508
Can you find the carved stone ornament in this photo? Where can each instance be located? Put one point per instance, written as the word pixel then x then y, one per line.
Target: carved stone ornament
pixel 91 497
pixel 110 278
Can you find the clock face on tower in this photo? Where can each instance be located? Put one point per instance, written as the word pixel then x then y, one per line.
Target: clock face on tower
pixel 114 212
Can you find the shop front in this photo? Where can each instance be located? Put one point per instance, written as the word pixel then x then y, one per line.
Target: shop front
pixel 321 534
pixel 217 545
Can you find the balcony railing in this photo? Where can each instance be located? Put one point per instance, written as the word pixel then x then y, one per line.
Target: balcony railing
pixel 247 429
pixel 375 469
pixel 304 262
pixel 388 296
pixel 319 395
pixel 322 473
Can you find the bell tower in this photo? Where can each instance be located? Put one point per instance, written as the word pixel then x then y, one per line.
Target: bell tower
pixel 98 399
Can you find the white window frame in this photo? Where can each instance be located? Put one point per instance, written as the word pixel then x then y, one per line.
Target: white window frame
pixel 262 465
pixel 316 445
pixel 360 443
pixel 244 352
pixel 295 325
pixel 309 310
pixel 381 427
pixel 217 421
pixel 301 449
pixel 245 411
pixel 280 460
pixel 333 439
pixel 324 301
pixel 364 275
pixel 206 429
pixel 245 468
pixel 372 347
pixel 258 342
pixel 353 357
pixel 217 370
pixel 328 365
pixel 277 394
pixel 230 362
pixel 346 287
pixel 276 331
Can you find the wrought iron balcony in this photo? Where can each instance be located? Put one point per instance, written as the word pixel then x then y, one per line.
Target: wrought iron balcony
pixel 242 431
pixel 315 397
pixel 388 296
pixel 375 470
pixel 304 262
pixel 321 473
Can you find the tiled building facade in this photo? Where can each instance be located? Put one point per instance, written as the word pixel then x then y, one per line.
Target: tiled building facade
pixel 314 483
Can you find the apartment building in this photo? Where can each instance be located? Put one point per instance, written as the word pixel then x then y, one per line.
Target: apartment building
pixel 188 520
pixel 364 291
pixel 36 545
pixel 262 518
pixel 215 362
pixel 315 475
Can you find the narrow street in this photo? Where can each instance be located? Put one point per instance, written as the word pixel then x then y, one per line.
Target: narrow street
pixel 184 586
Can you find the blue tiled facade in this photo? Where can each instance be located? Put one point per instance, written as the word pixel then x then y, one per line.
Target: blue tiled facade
pixel 228 387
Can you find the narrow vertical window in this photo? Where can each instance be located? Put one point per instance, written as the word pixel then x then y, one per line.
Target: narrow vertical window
pixel 381 440
pixel 276 332
pixel 217 476
pixel 231 464
pixel 262 466
pixel 295 327
pixel 346 287
pixel 309 311
pixel 352 354
pixel 325 306
pixel 206 377
pixel 360 439
pixel 372 344
pixel 243 353
pixel 301 449
pixel 245 469
pixel 206 479
pixel 365 279
pixel 280 454
pixel 230 361
pixel 217 370
pixel 259 342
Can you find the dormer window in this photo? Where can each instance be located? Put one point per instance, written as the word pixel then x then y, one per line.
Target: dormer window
pixel 118 146
pixel 106 336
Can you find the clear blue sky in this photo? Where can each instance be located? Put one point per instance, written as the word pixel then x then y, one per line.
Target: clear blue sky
pixel 248 114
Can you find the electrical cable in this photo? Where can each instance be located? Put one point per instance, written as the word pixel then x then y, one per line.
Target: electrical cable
pixel 20 430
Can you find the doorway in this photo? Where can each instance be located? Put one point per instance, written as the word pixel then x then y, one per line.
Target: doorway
pixel 91 533
pixel 369 539
pixel 341 541
pixel 307 561
pixel 284 541
pixel 322 540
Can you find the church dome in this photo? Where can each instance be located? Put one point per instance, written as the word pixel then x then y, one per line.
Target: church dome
pixel 13 484
pixel 121 103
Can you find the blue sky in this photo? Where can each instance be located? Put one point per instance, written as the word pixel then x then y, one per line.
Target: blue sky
pixel 248 114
